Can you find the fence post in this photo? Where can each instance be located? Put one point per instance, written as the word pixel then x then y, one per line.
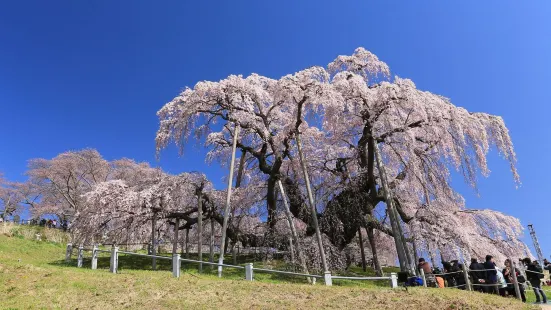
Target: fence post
pixel 176 265
pixel 80 256
pixel 37 237
pixel 423 277
pixel 515 281
pixel 328 279
pixel 393 280
pixel 114 262
pixel 467 280
pixel 249 272
pixel 69 252
pixel 95 257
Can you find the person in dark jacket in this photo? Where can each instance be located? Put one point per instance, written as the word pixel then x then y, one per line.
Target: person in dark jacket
pixel 509 278
pixel 491 275
pixel 546 264
pixel 457 267
pixel 534 273
pixel 478 275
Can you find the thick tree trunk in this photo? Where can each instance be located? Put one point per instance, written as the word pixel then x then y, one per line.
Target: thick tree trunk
pixel 187 243
pixel 175 242
pixel 362 250
pixel 271 201
pixel 373 245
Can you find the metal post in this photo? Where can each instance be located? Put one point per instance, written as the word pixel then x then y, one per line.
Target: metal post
pixel 328 278
pixel 466 275
pixel 69 252
pixel 114 262
pixel 400 247
pixel 294 234
pixel 312 204
pixel 95 257
pixel 79 257
pixel 393 280
pixel 515 281
pixel 153 240
pixel 249 272
pixel 423 277
pixel 228 202
pixel 176 265
pixel 200 228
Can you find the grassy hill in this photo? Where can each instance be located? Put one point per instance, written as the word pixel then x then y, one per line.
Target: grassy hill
pixel 33 275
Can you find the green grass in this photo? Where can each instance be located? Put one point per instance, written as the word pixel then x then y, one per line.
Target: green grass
pixel 33 275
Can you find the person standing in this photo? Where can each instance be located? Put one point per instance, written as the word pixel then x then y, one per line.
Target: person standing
pixel 534 273
pixel 491 274
pixel 509 278
pixel 478 275
pixel 427 270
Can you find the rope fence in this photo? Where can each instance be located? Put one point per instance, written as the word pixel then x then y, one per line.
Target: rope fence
pixel 328 277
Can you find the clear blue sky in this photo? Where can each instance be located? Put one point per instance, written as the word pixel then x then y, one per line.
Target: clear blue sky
pixel 76 74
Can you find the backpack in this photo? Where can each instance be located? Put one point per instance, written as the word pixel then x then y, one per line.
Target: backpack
pixel 415 281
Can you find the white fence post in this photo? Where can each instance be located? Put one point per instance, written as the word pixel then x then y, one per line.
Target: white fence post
pixel 249 276
pixel 423 277
pixel 327 278
pixel 38 237
pixel 95 257
pixel 69 252
pixel 114 262
pixel 80 256
pixel 176 265
pixel 393 280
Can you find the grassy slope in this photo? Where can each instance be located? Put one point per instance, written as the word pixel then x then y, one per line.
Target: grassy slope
pixel 32 276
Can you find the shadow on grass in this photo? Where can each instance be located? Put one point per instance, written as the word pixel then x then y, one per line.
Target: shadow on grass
pixel 129 262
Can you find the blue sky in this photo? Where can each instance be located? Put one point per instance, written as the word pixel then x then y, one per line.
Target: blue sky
pixel 76 74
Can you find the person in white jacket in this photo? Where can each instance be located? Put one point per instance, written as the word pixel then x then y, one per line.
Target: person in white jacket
pixel 501 283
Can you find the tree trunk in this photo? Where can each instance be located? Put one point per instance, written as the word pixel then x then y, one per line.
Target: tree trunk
pixel 373 245
pixel 153 241
pixel 187 243
pixel 271 201
pixel 175 242
pixel 312 204
pixel 362 250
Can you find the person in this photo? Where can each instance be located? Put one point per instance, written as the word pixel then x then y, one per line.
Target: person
pixel 546 264
pixel 54 224
pixel 439 277
pixel 501 283
pixel 510 279
pixel 429 276
pixel 491 274
pixel 478 275
pixel 534 273
pixel 457 267
pixel 450 279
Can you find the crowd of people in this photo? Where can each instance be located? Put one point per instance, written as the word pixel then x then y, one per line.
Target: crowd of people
pixel 486 277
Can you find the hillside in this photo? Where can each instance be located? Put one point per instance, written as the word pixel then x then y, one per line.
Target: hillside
pixel 32 275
